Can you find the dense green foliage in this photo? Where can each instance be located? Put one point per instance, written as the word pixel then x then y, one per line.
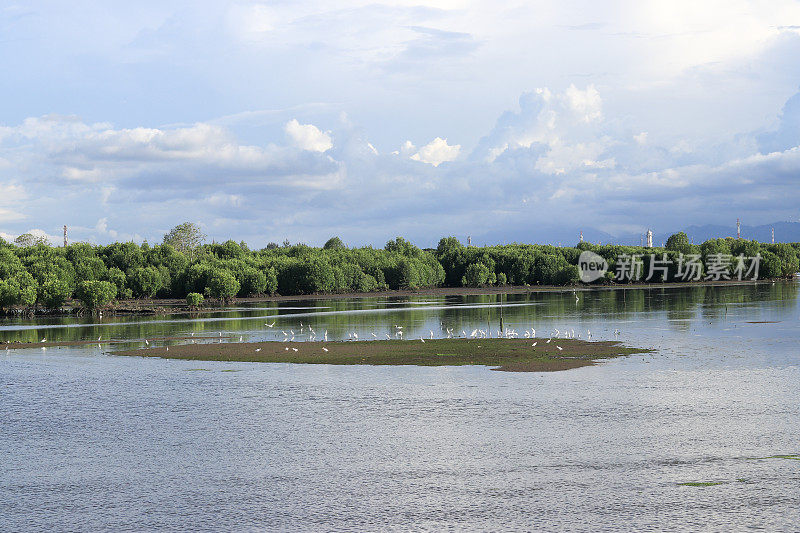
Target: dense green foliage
pixel 95 294
pixel 194 299
pixel 46 277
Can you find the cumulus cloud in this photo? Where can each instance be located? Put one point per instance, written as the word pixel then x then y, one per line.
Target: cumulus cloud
pixel 435 152
pixel 308 137
pixel 555 163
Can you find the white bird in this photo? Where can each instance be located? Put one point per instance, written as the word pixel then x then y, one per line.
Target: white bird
pixel 147 342
pixel 326 335
pixel 193 334
pixel 423 340
pixel 100 337
pixel 241 338
pixel 548 341
pixel 291 331
pixel 44 339
pixel 431 334
pixel 373 334
pixel 474 332
pixel 286 348
pixel 398 327
pixel 388 337
pixel 535 343
pixel 324 349
pixel 294 349
pixel 463 333
pixel 270 325
pixel 559 348
pixel 167 347
pixel 355 335
pixel 258 349
pixel 220 334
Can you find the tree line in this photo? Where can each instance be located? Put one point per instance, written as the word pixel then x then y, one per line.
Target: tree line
pixel 40 276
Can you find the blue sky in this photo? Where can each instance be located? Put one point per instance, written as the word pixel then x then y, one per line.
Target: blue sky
pixel 524 121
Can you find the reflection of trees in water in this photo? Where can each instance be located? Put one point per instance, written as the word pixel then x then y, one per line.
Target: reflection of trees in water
pixel 340 316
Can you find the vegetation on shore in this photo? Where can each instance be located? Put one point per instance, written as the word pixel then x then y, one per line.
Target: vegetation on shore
pixel 514 355
pixel 35 276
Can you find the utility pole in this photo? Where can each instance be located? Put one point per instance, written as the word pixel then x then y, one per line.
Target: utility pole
pixel 773 235
pixel 581 236
pixel 738 229
pixel 65 235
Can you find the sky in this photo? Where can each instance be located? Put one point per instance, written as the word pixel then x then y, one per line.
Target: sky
pixel 516 121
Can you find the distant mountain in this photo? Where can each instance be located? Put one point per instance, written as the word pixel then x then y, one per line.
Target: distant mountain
pixel 784 232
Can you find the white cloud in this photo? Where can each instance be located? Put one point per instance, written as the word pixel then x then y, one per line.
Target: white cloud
pixel 436 152
pixel 308 137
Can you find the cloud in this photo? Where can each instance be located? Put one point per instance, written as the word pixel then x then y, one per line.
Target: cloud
pixel 557 162
pixel 435 152
pixel 308 137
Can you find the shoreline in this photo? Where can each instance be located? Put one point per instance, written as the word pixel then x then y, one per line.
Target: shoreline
pixel 510 355
pixel 166 306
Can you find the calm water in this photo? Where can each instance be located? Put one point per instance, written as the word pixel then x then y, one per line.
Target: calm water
pixel 96 442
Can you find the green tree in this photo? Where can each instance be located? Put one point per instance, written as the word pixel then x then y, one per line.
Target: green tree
pixel 145 282
pixel 223 285
pixel 334 243
pixel 53 292
pixel 185 238
pixel 95 294
pixel 678 242
pixel 194 300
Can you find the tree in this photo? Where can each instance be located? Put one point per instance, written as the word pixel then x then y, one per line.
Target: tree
pixel 194 300
pixel 53 292
pixel 145 282
pixel 678 242
pixel 223 285
pixel 28 239
pixel 95 294
pixel 185 238
pixel 334 243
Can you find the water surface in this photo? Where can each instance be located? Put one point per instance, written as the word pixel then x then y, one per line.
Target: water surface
pixel 93 441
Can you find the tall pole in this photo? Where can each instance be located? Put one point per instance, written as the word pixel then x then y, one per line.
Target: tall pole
pixel 738 229
pixel 65 235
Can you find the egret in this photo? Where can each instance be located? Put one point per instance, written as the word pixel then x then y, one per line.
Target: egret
pixel 100 337
pixel 388 337
pixel 548 341
pixel 535 343
pixel 294 349
pixel 44 339
pixel 258 350
pixel 147 342
pixel 326 335
pixel 324 349
pixel 423 340
pixel 270 325
pixel 241 338
pixel 167 348
pixel 559 347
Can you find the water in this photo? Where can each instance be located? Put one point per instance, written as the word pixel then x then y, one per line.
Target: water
pixel 97 442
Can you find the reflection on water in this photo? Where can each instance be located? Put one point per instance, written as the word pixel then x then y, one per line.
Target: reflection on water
pixel 98 442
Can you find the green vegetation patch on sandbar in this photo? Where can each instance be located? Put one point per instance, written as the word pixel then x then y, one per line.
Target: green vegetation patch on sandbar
pixel 515 355
pixel 700 483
